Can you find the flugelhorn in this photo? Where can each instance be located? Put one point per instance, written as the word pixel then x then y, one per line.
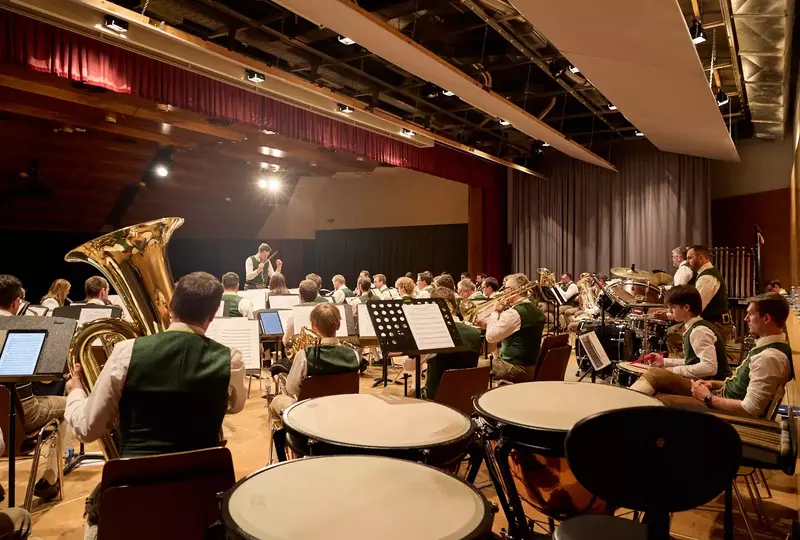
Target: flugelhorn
pixel 134 261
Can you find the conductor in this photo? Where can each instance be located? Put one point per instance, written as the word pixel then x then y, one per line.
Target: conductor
pixel 258 268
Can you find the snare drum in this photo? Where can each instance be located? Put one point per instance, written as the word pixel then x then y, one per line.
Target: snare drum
pixel 527 426
pixel 628 373
pixel 343 497
pixel 391 426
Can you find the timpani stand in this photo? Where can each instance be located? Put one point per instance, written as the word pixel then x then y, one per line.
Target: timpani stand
pixel 413 327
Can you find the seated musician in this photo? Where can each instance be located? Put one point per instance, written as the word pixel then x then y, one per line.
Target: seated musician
pixel 96 289
pixel 309 292
pixel 340 290
pixel 405 287
pixel 424 284
pixel 326 358
pixel 277 284
pixel 439 363
pixel 774 286
pixel 752 387
pixel 467 291
pixel 479 282
pixel 318 281
pixel 703 348
pixel 366 291
pixel 237 306
pixel 517 325
pixel 57 294
pixel 169 390
pixel 570 292
pixel 380 286
pixel 490 287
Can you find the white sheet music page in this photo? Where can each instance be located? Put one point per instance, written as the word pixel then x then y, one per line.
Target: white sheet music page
pixel 91 314
pixel 257 297
pixel 238 333
pixel 427 326
pixel 365 328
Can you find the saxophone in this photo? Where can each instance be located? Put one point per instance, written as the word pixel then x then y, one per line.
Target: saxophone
pixel 134 261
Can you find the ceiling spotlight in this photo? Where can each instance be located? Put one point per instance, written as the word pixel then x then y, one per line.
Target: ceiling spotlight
pixel 262 183
pixel 115 23
pixel 505 123
pixel 722 98
pixel 573 69
pixel 545 144
pixel 161 171
pixel 344 109
pixel 558 67
pixel 448 93
pixel 639 133
pixel 254 76
pixel 346 40
pixel 696 31
pixel 407 133
pixel 273 185
pixel 612 107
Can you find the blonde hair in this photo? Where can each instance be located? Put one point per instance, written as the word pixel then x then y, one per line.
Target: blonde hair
pixel 338 278
pixel 326 318
pixel 316 279
pixel 405 286
pixel 516 281
pixel 58 291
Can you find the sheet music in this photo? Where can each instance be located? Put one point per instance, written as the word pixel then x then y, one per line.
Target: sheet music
pixel 238 333
pixel 294 291
pixel 90 314
pixel 257 297
pixel 594 350
pixel 283 301
pixel 365 328
pixel 284 314
pixel 427 326
pixel 302 313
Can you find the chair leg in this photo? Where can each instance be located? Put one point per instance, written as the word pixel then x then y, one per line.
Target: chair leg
pixel 759 503
pixel 753 502
pixel 741 509
pixel 32 478
pixel 60 464
pixel 764 481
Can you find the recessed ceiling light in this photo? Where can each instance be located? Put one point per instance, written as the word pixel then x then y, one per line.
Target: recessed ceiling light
pixel 274 152
pixel 545 144
pixel 407 133
pixel 273 184
pixel 161 170
pixel 573 69
pixel 227 199
pixel 505 123
pixel 344 109
pixel 448 93
pixel 639 133
pixel 254 76
pixel 262 183
pixel 346 40
pixel 612 107
pixel 267 132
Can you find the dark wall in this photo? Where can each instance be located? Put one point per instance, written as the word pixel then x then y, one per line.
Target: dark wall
pixel 37 257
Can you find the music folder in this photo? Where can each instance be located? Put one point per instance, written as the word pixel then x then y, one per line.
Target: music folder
pixel 283 301
pixel 594 350
pixel 556 295
pixel 238 333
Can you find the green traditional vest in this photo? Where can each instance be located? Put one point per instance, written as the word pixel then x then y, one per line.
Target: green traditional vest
pixel 347 292
pixel 175 394
pixel 478 295
pixel 261 280
pixel 367 296
pixel 736 386
pixel 331 360
pixel 718 305
pixel 428 288
pixel 522 347
pixel 723 369
pixel 470 338
pixel 233 304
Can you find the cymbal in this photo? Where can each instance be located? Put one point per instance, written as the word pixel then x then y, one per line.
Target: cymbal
pixel 661 278
pixel 627 273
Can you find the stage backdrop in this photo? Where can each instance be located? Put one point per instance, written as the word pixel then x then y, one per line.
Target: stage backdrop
pixel 588 219
pixel 39 255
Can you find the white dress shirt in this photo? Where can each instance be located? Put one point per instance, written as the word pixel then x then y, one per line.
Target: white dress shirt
pixel 423 294
pixel 50 303
pixel 571 291
pixel 683 275
pixel 769 370
pixel 4 313
pixel 299 369
pixel 502 325
pixel 703 341
pixel 251 270
pixel 245 306
pixel 707 286
pixel 338 296
pixel 94 416
pixel 385 293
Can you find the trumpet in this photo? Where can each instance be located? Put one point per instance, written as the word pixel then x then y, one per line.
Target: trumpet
pixel 475 313
pixel 302 341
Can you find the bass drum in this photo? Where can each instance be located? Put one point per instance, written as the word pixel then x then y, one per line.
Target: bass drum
pixel 636 292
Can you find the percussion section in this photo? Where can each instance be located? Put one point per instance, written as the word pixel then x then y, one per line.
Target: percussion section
pixel 344 497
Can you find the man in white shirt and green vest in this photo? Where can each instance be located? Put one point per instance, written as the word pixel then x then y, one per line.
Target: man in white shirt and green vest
pixel 340 290
pixel 424 284
pixel 380 285
pixel 517 325
pixel 703 349
pixel 237 306
pixel 258 268
pixel 711 285
pixel 169 391
pixel 752 387
pixel 366 291
pixel 318 281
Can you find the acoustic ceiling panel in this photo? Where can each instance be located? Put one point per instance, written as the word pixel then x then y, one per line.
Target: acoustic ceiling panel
pixel 638 53
pixel 346 18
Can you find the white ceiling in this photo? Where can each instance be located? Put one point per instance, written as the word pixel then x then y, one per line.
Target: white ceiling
pixel 347 19
pixel 638 53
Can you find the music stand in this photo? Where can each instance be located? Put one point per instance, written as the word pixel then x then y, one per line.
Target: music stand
pixel 49 366
pixel 74 312
pixel 554 297
pixel 413 327
pixel 598 359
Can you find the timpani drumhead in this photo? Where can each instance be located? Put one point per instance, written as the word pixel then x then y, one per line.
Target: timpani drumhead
pixel 345 497
pixel 556 405
pixel 377 421
pixel 636 369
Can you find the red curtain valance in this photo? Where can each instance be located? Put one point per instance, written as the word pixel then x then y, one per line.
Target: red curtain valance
pixel 39 46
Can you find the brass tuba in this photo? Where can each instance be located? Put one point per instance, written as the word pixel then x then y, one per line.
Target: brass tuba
pixel 134 261
pixel 546 278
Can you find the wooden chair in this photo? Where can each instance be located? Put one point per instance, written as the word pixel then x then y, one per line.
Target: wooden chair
pixel 553 366
pixel 459 386
pixel 166 496
pixel 548 343
pixel 33 441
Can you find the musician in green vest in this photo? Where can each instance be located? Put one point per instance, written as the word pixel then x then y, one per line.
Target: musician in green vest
pixel 517 325
pixel 318 281
pixel 753 385
pixel 366 292
pixel 468 291
pixel 167 392
pixel 703 349
pixel 258 268
pixel 340 290
pixel 236 305
pixel 380 285
pixel 439 363
pixel 711 285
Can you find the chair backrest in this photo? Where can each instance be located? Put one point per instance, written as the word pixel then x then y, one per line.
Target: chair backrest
pixel 174 495
pixel 19 434
pixel 329 385
pixel 551 342
pixel 553 367
pixel 772 410
pixel 459 386
pixel 656 443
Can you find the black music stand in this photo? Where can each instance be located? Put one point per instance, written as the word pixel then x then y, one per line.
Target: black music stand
pixel 74 312
pixel 395 334
pixel 554 297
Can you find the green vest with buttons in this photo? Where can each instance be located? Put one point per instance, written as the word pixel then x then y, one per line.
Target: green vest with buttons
pixel 233 300
pixel 718 305
pixel 331 360
pixel 346 292
pixel 691 358
pixel 175 394
pixel 736 386
pixel 261 280
pixel 522 347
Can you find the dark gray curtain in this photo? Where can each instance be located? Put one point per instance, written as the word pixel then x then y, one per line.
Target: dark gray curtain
pixel 587 219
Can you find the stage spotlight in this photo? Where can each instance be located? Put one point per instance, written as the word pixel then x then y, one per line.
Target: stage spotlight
pixel 346 40
pixel 344 109
pixel 639 133
pixel 448 93
pixel 505 123
pixel 161 170
pixel 407 133
pixel 573 69
pixel 722 98
pixel 612 107
pixel 273 184
pixel 254 76
pixel 696 31
pixel 115 23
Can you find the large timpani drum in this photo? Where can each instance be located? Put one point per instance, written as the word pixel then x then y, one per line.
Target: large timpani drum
pixel 344 497
pixel 527 426
pixel 391 426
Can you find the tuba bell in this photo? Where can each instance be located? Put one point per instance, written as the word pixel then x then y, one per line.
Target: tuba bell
pixel 134 261
pixel 546 278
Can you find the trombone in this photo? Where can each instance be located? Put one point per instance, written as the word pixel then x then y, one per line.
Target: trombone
pixel 476 313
